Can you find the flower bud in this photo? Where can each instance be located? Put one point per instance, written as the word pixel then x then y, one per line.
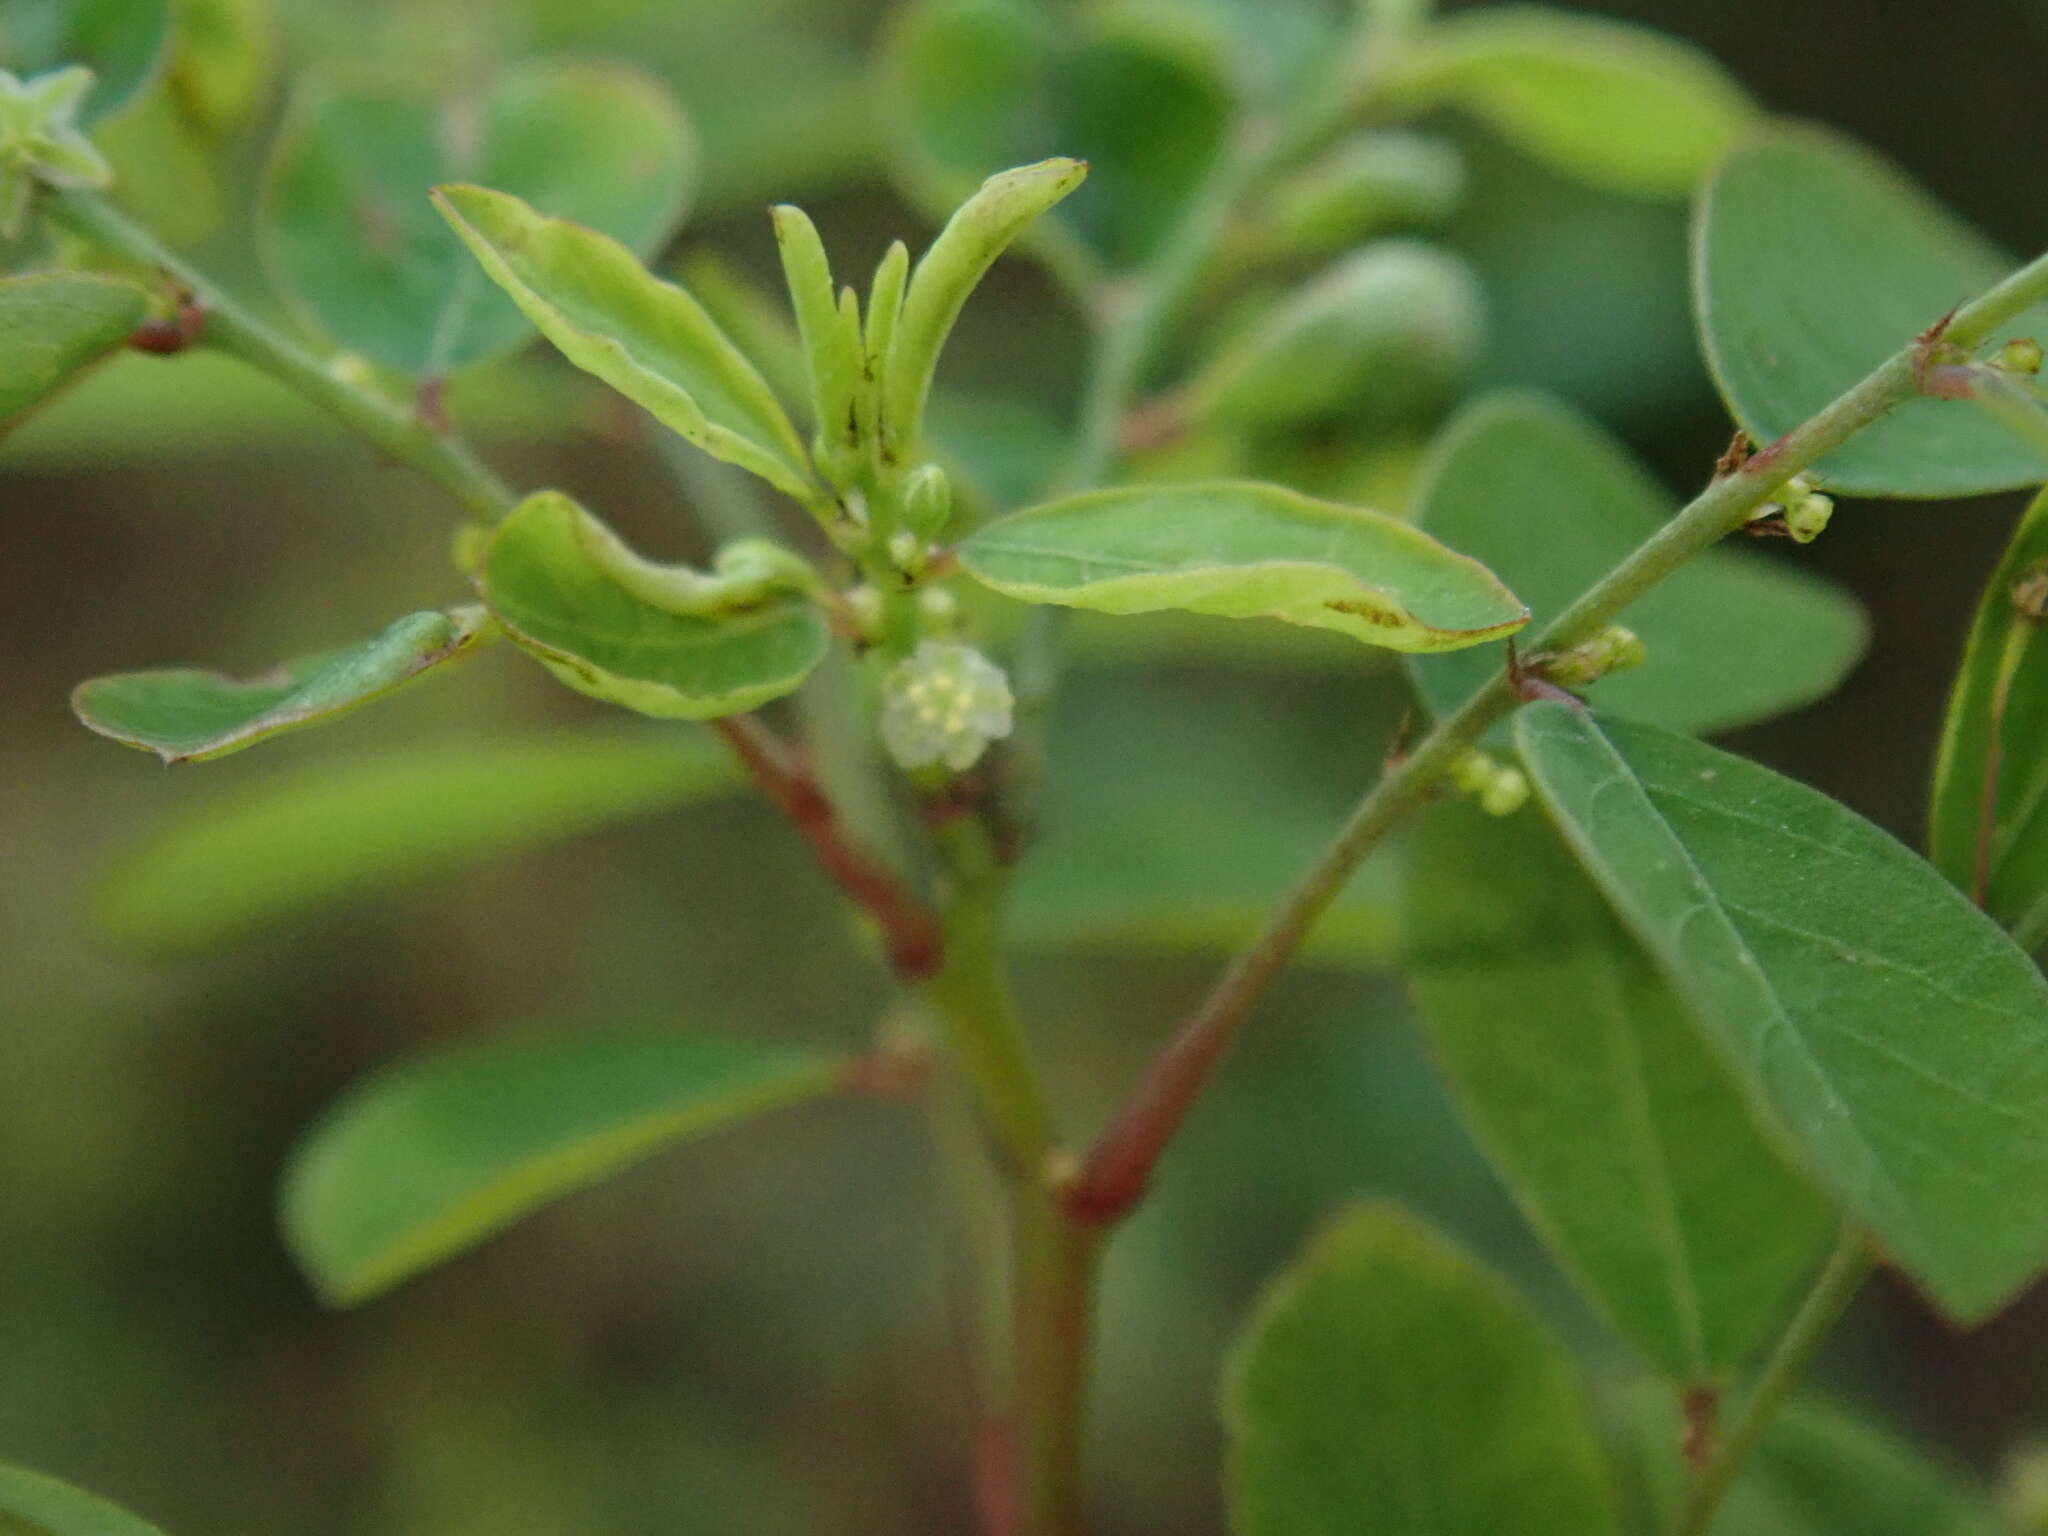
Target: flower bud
pixel 1499 789
pixel 1615 649
pixel 927 501
pixel 944 703
pixel 2020 355
pixel 1386 333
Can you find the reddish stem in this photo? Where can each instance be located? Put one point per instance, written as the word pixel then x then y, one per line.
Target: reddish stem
pixel 910 930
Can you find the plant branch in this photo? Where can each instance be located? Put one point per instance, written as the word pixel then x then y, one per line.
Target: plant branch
pixel 1833 1289
pixel 230 328
pixel 910 932
pixel 1118 1168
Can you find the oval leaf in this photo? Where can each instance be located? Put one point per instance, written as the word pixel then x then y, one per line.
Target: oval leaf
pixel 1387 1383
pixel 351 239
pixel 1814 261
pixel 342 831
pixel 52 324
pixel 429 1157
pixel 186 716
pixel 1242 550
pixel 1732 637
pixel 1115 867
pixel 1612 104
pixel 1139 92
pixel 123 42
pixel 646 338
pixel 1586 1079
pixel 34 1505
pixel 1988 829
pixel 551 577
pixel 1895 1033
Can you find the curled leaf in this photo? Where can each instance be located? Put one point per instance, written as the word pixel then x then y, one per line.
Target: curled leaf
pixel 185 716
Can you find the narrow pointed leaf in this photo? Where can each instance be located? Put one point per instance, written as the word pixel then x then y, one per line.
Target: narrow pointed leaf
pixel 550 575
pixel 1587 1081
pixel 430 1157
pixel 1388 1384
pixel 646 338
pixel 188 716
pixel 32 1504
pixel 948 272
pixel 348 233
pixel 52 324
pixel 1893 1032
pixel 1615 105
pixel 1814 261
pixel 1732 637
pixel 1988 829
pixel 334 832
pixel 1243 550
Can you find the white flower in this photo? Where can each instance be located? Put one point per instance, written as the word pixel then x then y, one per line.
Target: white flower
pixel 944 703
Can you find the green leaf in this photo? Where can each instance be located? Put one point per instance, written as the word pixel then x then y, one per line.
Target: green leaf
pixel 185 716
pixel 1893 1031
pixel 429 1157
pixel 122 41
pixel 218 871
pixel 1586 1079
pixel 947 273
pixel 558 580
pixel 52 324
pixel 1615 105
pixel 1387 1383
pixel 646 338
pixel 1137 91
pixel 349 235
pixel 1242 550
pixel 1114 867
pixel 1813 262
pixel 1820 1470
pixel 1551 503
pixel 34 1505
pixel 1988 827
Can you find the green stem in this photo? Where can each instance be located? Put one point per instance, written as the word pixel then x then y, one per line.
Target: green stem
pixel 1054 1261
pixel 234 330
pixel 971 996
pixel 1120 1165
pixel 1832 1291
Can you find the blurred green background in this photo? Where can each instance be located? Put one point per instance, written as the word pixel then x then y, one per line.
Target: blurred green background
pixel 767 1333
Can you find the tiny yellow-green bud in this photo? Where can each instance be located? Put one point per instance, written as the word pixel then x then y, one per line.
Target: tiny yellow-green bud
pixel 1615 649
pixel 944 703
pixel 354 370
pixel 939 608
pixel 468 546
pixel 1506 794
pixel 864 609
pixel 906 551
pixel 2020 355
pixel 1807 517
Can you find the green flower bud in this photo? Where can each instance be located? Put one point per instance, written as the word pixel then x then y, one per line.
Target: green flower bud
pixel 1505 794
pixel 1615 649
pixel 2020 355
pixel 1499 789
pixel 939 608
pixel 41 143
pixel 1369 183
pixel 1806 510
pixel 906 551
pixel 927 500
pixel 944 703
pixel 1387 333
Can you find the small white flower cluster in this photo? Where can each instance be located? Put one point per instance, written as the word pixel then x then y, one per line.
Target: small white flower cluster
pixel 944 703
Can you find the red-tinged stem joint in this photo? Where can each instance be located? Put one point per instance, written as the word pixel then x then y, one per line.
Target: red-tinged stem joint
pixel 910 929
